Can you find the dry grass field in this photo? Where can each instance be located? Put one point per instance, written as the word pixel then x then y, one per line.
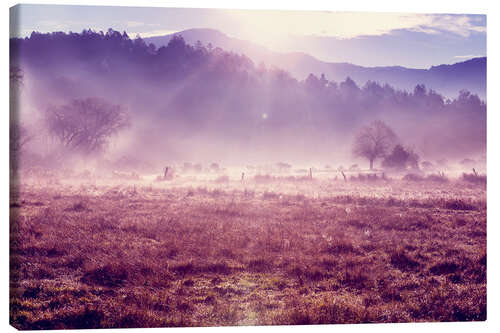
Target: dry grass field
pixel 139 254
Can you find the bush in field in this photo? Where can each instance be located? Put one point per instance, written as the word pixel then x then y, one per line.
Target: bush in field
pixel 401 158
pixel 368 177
pixel 412 177
pixel 263 178
pixel 474 178
pixel 459 205
pixel 437 178
pixel 426 165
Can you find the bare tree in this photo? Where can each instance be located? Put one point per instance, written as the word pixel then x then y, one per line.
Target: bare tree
pixel 19 135
pixel 374 141
pixel 16 75
pixel 86 125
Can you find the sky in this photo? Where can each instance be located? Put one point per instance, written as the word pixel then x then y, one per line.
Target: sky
pixel 367 39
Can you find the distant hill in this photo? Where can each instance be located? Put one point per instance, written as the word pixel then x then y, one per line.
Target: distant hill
pixel 447 79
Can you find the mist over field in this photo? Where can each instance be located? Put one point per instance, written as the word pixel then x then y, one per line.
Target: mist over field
pixel 203 104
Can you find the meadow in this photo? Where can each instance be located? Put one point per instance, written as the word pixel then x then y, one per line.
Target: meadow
pixel 263 251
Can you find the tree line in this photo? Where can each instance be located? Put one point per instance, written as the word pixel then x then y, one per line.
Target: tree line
pixel 116 53
pixel 187 87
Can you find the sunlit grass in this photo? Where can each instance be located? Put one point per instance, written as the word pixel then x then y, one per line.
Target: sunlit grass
pixel 208 253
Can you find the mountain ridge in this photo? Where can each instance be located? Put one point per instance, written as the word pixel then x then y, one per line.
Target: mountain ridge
pixel 449 79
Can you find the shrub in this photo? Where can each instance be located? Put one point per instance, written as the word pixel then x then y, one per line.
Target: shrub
pixel 459 205
pixel 367 177
pixel 426 165
pixel 441 178
pixel 412 177
pixel 397 159
pixel 474 178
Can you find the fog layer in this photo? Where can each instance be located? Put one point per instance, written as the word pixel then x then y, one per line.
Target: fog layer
pixel 196 103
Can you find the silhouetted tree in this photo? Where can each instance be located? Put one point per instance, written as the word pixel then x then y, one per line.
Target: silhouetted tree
pixel 426 165
pixel 350 90
pixel 16 75
pixel 420 91
pixel 374 141
pixel 86 125
pixel 19 135
pixel 397 159
pixel 468 101
pixel 401 158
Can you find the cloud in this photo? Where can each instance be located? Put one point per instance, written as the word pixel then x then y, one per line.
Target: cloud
pixel 469 56
pixel 153 33
pixel 53 25
pixel 461 25
pixel 345 25
pixel 135 24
